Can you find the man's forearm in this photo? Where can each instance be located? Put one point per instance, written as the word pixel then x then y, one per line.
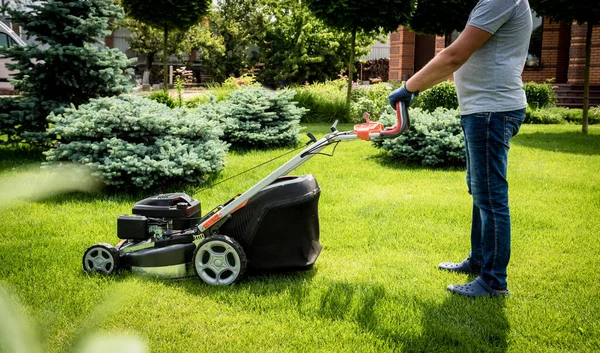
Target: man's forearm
pixel 439 69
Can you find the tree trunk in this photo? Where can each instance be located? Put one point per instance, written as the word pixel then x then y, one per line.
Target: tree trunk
pixel 351 67
pixel 147 69
pixel 586 77
pixel 166 34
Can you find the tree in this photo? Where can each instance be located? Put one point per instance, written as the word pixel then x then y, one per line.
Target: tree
pixel 167 15
pixel 67 66
pixel 580 12
pixel 148 41
pixel 241 23
pixel 207 44
pixel 299 47
pixel 441 17
pixel 354 15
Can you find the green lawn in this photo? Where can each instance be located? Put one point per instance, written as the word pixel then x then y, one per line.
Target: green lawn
pixel 375 287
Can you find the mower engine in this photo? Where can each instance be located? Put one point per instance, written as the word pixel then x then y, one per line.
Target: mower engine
pixel 159 216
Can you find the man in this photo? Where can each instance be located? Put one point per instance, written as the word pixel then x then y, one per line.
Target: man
pixel 487 60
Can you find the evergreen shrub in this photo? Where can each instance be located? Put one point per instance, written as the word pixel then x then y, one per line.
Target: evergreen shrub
pixel 540 95
pixel 442 95
pixel 253 117
pixel 435 139
pixel 65 66
pixel 131 141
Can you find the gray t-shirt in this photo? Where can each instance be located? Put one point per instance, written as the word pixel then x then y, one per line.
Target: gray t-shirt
pixel 490 80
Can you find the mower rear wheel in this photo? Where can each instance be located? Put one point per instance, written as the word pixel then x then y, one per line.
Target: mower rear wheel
pixel 219 260
pixel 101 257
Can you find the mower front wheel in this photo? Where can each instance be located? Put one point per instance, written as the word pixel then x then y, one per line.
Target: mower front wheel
pixel 101 258
pixel 219 260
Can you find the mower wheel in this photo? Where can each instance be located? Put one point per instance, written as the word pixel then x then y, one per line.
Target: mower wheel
pixel 101 257
pixel 219 260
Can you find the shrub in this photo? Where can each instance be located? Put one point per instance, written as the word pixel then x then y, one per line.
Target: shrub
pixel 132 141
pixel 442 95
pixel 575 116
pixel 65 66
pixel 163 97
pixel 540 95
pixel 257 118
pixel 372 99
pixel 543 116
pixel 326 102
pixel 435 139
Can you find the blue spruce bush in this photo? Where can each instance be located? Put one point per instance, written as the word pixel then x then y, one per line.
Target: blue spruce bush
pixel 131 141
pixel 435 139
pixel 254 117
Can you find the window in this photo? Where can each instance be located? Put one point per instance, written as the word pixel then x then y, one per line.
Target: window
pixel 535 44
pixel 5 40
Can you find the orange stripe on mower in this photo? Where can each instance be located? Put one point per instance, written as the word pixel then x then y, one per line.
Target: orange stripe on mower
pixel 212 220
pixel 240 206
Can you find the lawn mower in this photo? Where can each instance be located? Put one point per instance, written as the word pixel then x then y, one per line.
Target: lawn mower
pixel 272 226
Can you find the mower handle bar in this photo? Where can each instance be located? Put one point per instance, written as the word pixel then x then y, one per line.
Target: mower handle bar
pixel 335 136
pixel 402 124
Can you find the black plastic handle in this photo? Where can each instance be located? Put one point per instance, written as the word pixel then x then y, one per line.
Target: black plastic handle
pixel 403 122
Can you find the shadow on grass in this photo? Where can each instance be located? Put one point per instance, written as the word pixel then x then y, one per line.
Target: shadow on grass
pixel 457 324
pixel 461 324
pixel 566 142
pixel 387 161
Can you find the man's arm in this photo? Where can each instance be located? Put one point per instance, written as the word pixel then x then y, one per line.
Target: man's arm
pixel 448 60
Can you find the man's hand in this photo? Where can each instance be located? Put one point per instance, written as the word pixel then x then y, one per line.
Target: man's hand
pixel 401 94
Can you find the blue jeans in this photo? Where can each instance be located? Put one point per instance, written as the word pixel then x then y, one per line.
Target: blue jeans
pixel 487 141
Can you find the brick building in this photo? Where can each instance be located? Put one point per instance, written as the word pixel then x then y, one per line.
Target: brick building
pixel 560 57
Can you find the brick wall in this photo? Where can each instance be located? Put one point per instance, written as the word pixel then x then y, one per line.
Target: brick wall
pixel 554 60
pixel 577 55
pixel 402 54
pixel 562 59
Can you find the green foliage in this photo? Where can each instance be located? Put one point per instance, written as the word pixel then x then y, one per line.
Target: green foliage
pixel 253 117
pixel 435 139
pixel 300 48
pixel 244 80
pixel 560 115
pixel 11 121
pixel 241 24
pixel 221 91
pixel 69 69
pixel 353 14
pixel 372 99
pixel 540 95
pixel 441 95
pixel 167 15
pixel 325 102
pixel 440 17
pixel 163 97
pixel 543 116
pixel 130 141
pixel 568 11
